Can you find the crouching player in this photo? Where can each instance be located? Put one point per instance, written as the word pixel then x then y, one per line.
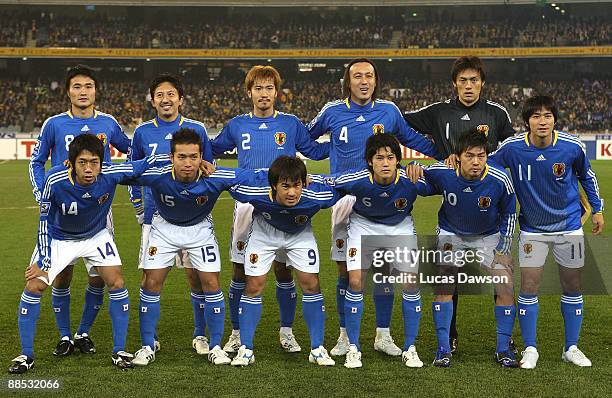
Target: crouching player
pixel 478 212
pixel 73 209
pixel 283 210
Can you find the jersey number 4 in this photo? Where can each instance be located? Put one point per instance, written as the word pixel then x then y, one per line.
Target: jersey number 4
pixel 343 134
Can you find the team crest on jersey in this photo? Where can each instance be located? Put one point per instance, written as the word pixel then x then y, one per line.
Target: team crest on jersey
pixel 280 138
pixel 352 252
pixel 378 128
pixel 301 219
pixel 253 258
pixel 152 251
pixel 483 129
pixel 103 198
pixel 240 245
pixel 339 243
pixel 401 203
pixel 558 169
pixel 102 137
pixel 201 200
pixel 484 202
pixel 527 248
pixel 447 247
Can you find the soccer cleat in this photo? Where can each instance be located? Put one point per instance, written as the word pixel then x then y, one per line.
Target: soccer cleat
pixel 64 347
pixel 21 364
pixel 342 346
pixel 84 344
pixel 287 341
pixel 320 357
pixel 530 358
pixel 453 343
pixel 512 346
pixel 157 346
pixel 123 360
pixel 442 359
pixel 217 356
pixel 200 345
pixel 384 343
pixel 506 359
pixel 353 358
pixel 575 356
pixel 244 357
pixel 144 356
pixel 411 358
pixel 233 344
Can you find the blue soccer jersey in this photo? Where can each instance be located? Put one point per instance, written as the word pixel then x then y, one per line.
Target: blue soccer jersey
pixel 546 181
pixel 350 125
pixel 153 137
pixel 483 206
pixel 57 133
pixel 384 204
pixel 260 141
pixel 292 220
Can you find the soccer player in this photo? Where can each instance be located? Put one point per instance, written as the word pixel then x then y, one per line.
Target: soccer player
pixel 153 137
pixel 74 205
pixel 184 201
pixel 350 121
pixel 478 212
pixel 445 121
pixel 260 137
pixel 546 166
pixel 384 198
pixel 55 137
pixel 283 210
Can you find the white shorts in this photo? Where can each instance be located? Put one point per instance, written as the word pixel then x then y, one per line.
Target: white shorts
pixel 381 238
pixel 167 240
pixel 568 249
pixel 181 261
pixel 340 219
pixel 266 242
pixel 483 246
pixel 97 251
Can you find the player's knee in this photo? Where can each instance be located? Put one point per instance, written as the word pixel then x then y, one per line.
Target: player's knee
pixel 36 286
pixel 354 281
pixel 115 282
pixel 96 281
pixel 342 271
pixel 194 279
pixel 152 284
pixel 310 284
pixel 238 272
pixel 63 279
pixel 254 286
pixel 443 298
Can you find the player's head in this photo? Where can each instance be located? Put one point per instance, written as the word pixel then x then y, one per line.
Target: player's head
pixel 262 85
pixel 468 78
pixel 287 177
pixel 540 114
pixel 186 154
pixel 85 154
pixel 383 154
pixel 81 85
pixel 472 153
pixel 360 82
pixel 166 96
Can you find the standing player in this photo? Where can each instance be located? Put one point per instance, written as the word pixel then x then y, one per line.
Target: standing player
pixel 260 137
pixel 55 137
pixel 446 120
pixel 546 166
pixel 350 122
pixel 283 210
pixel 153 137
pixel 478 212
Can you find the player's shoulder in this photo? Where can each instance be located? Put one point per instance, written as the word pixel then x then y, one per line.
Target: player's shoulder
pixel 568 139
pixel 149 124
pixel 500 175
pixel 390 106
pixel 238 120
pixel 107 117
pixel 287 117
pixel 433 107
pixel 55 120
pixel 57 174
pixel 515 140
pixel 498 108
pixel 196 124
pixel 332 106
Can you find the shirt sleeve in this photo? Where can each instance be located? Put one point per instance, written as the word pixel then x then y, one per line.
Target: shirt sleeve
pixel 507 222
pixel 588 180
pixel 500 156
pixel 44 239
pixel 421 120
pixel 224 141
pixel 118 139
pixel 135 154
pixel 40 155
pixel 426 185
pixel 318 126
pixel 308 146
pixel 505 125
pixel 411 139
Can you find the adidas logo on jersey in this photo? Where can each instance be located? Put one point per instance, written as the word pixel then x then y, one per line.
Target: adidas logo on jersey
pixel 86 195
pixel 184 192
pixel 465 117
pixel 284 212
pixel 169 136
pixel 540 158
pixel 468 189
pixel 85 128
pixel 263 126
pixel 360 119
pixel 384 195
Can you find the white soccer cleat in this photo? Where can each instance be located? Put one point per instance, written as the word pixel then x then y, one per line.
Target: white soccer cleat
pixel 530 358
pixel 342 346
pixel 384 343
pixel 353 358
pixel 288 342
pixel 200 345
pixel 144 356
pixel 217 356
pixel 320 357
pixel 411 358
pixel 233 343
pixel 244 357
pixel 575 356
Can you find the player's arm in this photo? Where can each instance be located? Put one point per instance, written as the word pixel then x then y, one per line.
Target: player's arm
pixel 501 155
pixel 410 138
pixel 308 146
pixel 136 153
pixel 426 185
pixel 223 142
pixel 140 172
pixel 318 126
pixel 39 157
pixel 507 220
pixel 252 188
pixel 44 239
pixel 118 138
pixel 589 183
pixel 326 186
pixel 421 120
pixel 505 125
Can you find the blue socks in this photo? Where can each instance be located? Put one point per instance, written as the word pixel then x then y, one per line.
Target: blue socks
pixel 572 310
pixel 313 310
pixel 353 310
pixel 119 309
pixel 29 310
pixel 214 311
pixel 235 292
pixel 94 297
pixel 442 316
pixel 383 302
pixel 528 308
pixel 250 314
pixel 60 300
pixel 286 296
pixel 411 309
pixel 149 316
pixel 199 320
pixel 504 319
pixel 341 287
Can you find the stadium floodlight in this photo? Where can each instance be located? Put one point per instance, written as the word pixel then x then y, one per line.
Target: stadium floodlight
pixel 557 8
pixel 553 5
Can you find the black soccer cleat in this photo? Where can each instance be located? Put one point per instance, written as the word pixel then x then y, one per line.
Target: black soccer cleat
pixel 21 364
pixel 454 343
pixel 506 359
pixel 513 346
pixel 443 359
pixel 64 348
pixel 123 360
pixel 84 344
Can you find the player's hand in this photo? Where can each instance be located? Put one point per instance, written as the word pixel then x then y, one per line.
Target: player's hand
pixel 414 172
pixel 67 163
pixel 504 260
pixel 33 272
pixel 207 168
pixel 598 223
pixel 452 161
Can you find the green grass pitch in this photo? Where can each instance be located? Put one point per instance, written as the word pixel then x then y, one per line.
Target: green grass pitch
pixel 178 371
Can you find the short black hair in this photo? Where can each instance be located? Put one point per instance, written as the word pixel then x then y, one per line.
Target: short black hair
pixel 384 140
pixel 471 139
pixel 286 168
pixel 535 103
pixel 85 142
pixel 346 79
pixel 83 70
pixel 465 63
pixel 185 136
pixel 167 78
